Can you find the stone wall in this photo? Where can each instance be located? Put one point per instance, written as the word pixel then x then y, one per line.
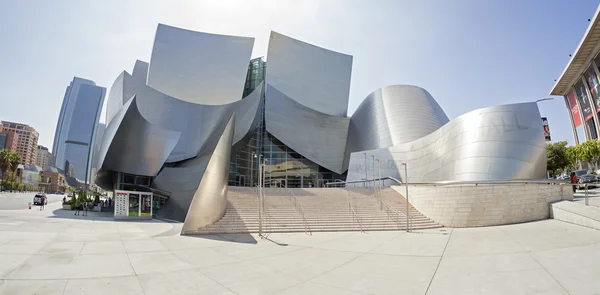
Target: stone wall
pixel 472 205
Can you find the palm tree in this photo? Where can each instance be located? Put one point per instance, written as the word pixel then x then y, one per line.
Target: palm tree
pixel 15 160
pixel 4 163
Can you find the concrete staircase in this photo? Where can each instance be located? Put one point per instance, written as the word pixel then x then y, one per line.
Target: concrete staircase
pixel 316 210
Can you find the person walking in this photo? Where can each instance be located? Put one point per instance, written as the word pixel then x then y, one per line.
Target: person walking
pixel 77 208
pixel 84 208
pixel 43 203
pixel 574 181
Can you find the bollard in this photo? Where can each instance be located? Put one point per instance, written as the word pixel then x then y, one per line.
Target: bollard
pixel 587 202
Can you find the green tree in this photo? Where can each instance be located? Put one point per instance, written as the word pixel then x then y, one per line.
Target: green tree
pixel 556 156
pixel 574 154
pixel 4 164
pixel 15 160
pixel 590 151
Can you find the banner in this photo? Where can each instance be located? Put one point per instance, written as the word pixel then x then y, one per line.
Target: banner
pixel 592 81
pixel 574 109
pixel 546 128
pixel 584 101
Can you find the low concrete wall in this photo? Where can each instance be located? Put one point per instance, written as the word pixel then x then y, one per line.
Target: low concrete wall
pixel 485 204
pixel 576 213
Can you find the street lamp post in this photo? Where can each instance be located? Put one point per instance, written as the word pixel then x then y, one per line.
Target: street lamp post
pixel 544 99
pixel 407 207
pixel 366 177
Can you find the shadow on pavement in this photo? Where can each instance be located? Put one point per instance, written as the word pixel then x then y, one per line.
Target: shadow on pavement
pixel 234 238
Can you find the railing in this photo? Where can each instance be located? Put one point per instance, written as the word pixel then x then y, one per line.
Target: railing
pixel 355 217
pixel 294 200
pixel 390 210
pixel 452 182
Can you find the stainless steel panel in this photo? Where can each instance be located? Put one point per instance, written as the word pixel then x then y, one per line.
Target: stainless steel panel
pixel 393 115
pixel 196 122
pixel 133 145
pixel 183 180
pixel 313 76
pixel 500 142
pixel 319 137
pixel 199 67
pixel 210 199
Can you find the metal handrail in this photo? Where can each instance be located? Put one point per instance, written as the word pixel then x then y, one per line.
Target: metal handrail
pixel 455 182
pixel 355 216
pixel 300 209
pixel 268 222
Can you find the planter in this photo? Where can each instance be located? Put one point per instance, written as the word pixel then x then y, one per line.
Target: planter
pixel 66 207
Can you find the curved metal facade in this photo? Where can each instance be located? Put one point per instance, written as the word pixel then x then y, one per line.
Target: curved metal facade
pixel 134 145
pixel 393 115
pixel 312 76
pixel 501 142
pixel 179 118
pixel 319 137
pixel 198 67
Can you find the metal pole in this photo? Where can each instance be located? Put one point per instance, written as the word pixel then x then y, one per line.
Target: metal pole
pixel 259 196
pixel 407 208
pixel 373 171
pixel 587 202
pixel 379 184
pixel 366 177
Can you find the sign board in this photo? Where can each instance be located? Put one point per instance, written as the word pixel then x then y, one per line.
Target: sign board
pixel 546 128
pixel 131 204
pixel 574 108
pixel 121 203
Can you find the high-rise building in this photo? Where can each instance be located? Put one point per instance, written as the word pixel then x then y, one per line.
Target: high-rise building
pixel 77 125
pixel 3 138
pixel 44 157
pixel 21 139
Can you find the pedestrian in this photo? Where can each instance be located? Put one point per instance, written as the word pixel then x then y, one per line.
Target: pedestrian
pixel 64 200
pixel 574 181
pixel 43 202
pixel 77 208
pixel 84 208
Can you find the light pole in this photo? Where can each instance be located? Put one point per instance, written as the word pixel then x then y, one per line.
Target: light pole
pixel 544 99
pixel 366 177
pixel 406 185
pixel 373 171
pixel 260 172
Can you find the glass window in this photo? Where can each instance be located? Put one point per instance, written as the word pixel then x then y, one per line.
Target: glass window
pixel 584 102
pixel 146 209
pixel 128 178
pixel 134 205
pixel 592 83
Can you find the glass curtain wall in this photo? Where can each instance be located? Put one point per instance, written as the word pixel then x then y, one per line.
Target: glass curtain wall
pixel 243 167
pixel 286 168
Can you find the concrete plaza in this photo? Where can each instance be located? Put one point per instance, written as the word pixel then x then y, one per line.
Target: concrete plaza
pixel 55 252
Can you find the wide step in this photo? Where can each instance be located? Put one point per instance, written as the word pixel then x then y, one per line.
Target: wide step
pixel 316 210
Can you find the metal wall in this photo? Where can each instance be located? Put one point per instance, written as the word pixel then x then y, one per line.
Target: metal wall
pixel 319 137
pixel 500 142
pixel 199 67
pixel 312 76
pixel 393 115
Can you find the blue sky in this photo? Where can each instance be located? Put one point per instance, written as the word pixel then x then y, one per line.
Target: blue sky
pixel 467 53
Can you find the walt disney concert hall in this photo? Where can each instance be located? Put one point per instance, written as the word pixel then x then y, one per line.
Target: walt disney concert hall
pixel 200 116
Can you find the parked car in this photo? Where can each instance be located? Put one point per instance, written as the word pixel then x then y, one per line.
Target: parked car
pixel 589 179
pixel 37 200
pixel 580 173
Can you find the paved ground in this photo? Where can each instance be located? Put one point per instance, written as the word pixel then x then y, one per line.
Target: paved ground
pixel 18 201
pixel 54 252
pixel 593 197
